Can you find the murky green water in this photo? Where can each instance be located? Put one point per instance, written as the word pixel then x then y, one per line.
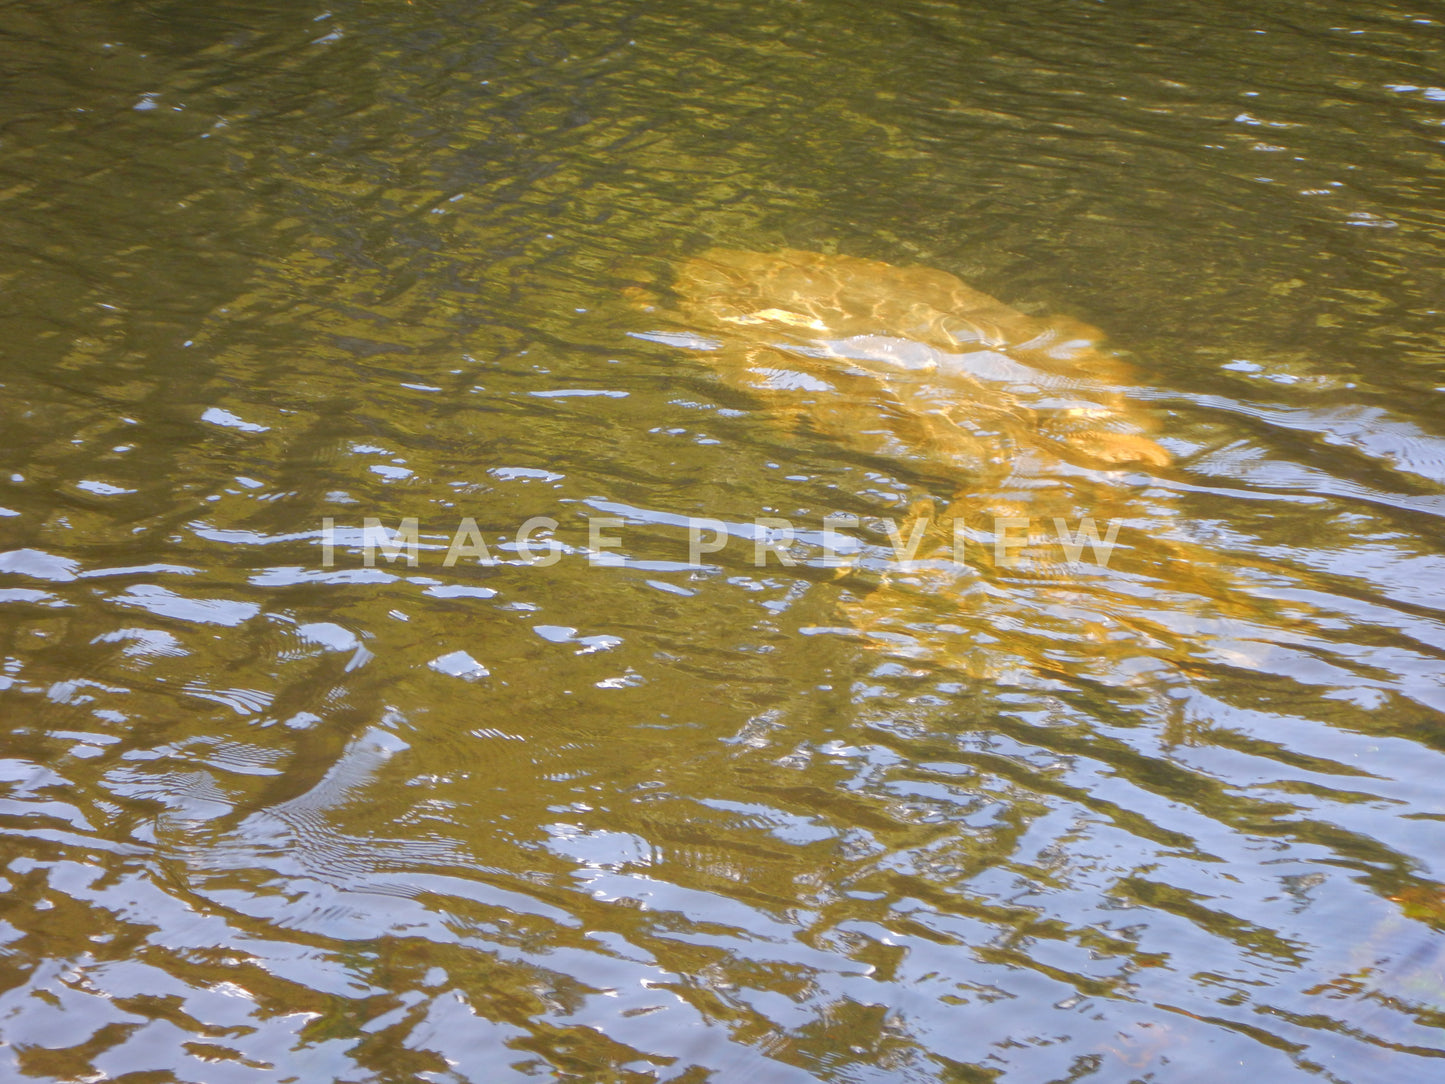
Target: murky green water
pixel 268 818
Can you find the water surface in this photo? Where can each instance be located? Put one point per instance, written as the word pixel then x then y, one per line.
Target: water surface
pixel 263 264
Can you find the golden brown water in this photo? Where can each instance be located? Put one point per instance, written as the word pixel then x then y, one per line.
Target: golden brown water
pixel 657 811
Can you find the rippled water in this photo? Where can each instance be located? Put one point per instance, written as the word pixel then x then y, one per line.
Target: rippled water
pixel 272 814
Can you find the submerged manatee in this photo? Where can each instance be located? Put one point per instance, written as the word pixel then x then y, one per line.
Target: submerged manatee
pixel 911 362
pixel 1022 420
